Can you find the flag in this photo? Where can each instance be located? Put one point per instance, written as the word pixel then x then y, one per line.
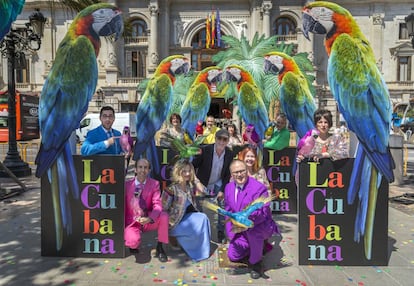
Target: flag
pixel 208 39
pixel 213 28
pixel 218 32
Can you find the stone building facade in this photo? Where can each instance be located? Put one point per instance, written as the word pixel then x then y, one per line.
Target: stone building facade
pixel 164 27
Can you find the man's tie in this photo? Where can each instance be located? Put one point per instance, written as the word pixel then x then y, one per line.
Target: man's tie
pixel 137 193
pixel 238 192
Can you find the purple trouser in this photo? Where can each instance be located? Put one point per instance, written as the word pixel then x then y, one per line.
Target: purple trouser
pixel 249 242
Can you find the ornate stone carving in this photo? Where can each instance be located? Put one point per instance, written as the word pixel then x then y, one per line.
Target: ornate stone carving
pixel 154 58
pixel 179 31
pixel 153 8
pixel 266 7
pixel 377 19
pixel 112 59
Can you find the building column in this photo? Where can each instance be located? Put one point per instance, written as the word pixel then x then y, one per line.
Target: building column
pixel 153 46
pixel 166 33
pixel 111 65
pixel 266 7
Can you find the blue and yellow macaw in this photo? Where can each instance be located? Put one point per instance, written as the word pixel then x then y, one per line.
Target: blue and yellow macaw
pixel 154 107
pixel 9 10
pixel 363 99
pixel 197 102
pixel 66 93
pixel 295 96
pixel 241 218
pixel 249 99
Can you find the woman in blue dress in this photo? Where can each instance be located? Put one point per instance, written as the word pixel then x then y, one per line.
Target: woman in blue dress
pixel 189 226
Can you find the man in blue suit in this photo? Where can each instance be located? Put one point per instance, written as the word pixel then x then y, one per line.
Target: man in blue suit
pixel 103 139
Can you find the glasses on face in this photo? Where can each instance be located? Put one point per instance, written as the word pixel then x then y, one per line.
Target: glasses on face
pixel 222 138
pixel 240 172
pixel 108 116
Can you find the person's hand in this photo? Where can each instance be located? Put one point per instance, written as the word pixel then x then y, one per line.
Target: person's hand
pixel 220 196
pixel 299 158
pixel 144 220
pixel 111 141
pixel 238 229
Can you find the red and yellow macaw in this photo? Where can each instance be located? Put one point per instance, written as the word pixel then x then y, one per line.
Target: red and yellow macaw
pixel 363 99
pixel 155 105
pixel 64 100
pixel 295 96
pixel 249 99
pixel 197 102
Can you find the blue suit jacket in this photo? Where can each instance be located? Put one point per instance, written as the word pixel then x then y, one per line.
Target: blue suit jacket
pixel 94 142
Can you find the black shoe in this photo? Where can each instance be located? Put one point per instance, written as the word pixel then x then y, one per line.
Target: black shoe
pixel 162 257
pixel 254 274
pixel 221 238
pixel 257 271
pixel 133 250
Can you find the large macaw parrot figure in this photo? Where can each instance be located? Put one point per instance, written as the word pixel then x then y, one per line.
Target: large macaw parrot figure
pixel 9 10
pixel 241 218
pixel 66 93
pixel 363 99
pixel 249 99
pixel 154 107
pixel 295 96
pixel 197 102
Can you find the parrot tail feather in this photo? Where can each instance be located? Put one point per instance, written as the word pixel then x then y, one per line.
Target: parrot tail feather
pixel 56 202
pixel 153 158
pixel 139 150
pixel 210 206
pixel 372 202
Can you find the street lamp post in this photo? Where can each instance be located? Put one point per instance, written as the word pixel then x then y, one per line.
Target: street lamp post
pixel 409 20
pixel 12 47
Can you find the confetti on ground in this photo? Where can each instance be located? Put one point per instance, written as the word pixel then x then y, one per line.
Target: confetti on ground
pixel 89 272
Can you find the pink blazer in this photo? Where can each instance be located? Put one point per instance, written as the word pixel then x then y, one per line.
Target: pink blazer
pixel 152 196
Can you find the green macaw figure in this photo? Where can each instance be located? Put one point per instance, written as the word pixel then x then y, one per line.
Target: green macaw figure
pixel 197 102
pixel 184 151
pixel 155 105
pixel 64 100
pixel 295 96
pixel 363 99
pixel 249 99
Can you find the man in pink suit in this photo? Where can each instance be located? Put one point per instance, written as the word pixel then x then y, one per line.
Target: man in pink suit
pixel 247 244
pixel 143 210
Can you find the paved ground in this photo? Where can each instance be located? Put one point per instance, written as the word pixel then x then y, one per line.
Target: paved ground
pixel 22 264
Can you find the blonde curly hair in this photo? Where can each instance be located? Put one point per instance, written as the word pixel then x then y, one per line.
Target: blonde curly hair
pixel 177 177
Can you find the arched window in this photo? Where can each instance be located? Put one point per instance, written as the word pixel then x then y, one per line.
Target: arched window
pixel 286 27
pixel 199 40
pixel 139 28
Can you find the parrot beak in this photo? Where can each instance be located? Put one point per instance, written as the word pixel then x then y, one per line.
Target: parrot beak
pixel 183 69
pixel 309 24
pixel 229 77
pixel 114 27
pixel 269 67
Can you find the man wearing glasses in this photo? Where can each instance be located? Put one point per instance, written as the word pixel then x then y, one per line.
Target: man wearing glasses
pixel 248 244
pixel 103 139
pixel 212 167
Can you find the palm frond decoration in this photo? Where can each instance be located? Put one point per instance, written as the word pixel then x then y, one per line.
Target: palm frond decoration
pixel 250 57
